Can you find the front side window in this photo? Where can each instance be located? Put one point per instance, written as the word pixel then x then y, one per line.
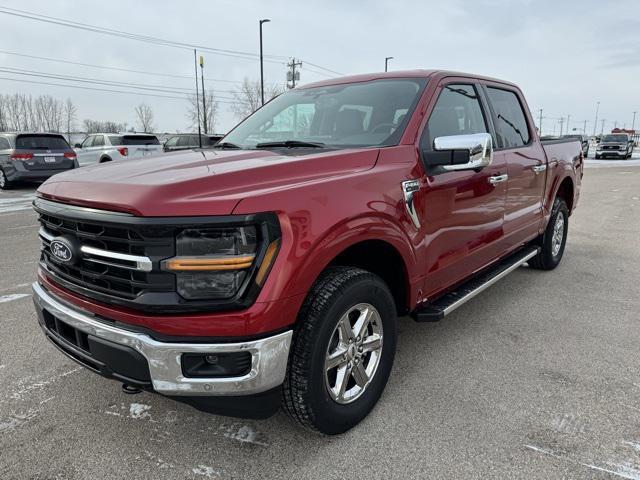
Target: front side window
pixel 87 142
pixel 172 142
pixel 457 112
pixel 511 122
pixel 363 114
pixel 4 144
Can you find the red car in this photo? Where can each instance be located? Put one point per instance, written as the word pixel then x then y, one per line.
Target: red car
pixel 271 270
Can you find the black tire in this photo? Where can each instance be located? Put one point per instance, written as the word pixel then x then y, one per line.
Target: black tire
pixel 105 160
pixel 597 157
pixel 306 396
pixel 5 183
pixel 546 259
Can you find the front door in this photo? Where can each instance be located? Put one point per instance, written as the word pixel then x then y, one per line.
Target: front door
pixel 463 211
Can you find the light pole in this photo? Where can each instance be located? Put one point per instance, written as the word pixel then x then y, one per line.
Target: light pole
pixel 633 124
pixel 264 20
pixel 595 122
pixel 204 103
pixel 568 130
pixel 386 63
pixel 602 128
pixel 195 65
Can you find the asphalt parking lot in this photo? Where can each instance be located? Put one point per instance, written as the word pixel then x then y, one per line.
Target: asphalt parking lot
pixel 536 378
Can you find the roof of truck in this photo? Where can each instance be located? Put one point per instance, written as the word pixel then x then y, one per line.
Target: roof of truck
pixel 401 74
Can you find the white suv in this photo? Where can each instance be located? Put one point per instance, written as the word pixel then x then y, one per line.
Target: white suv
pixel 105 147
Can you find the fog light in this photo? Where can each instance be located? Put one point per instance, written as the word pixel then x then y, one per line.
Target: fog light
pixel 211 359
pixel 213 365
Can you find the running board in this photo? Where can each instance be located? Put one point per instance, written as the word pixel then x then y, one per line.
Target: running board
pixel 433 312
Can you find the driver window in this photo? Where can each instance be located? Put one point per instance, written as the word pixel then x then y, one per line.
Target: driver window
pixel 457 112
pixel 87 142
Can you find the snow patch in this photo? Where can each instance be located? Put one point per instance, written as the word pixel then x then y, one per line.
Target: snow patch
pixel 12 297
pixel 206 471
pixel 16 420
pixel 26 390
pixel 244 434
pixel 139 410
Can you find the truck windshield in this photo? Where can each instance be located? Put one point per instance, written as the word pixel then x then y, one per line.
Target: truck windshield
pixel 363 114
pixel 614 138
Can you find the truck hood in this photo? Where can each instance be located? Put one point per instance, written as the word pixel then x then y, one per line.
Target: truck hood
pixel 192 183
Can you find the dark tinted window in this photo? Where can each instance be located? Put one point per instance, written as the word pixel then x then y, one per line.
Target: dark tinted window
pixel 42 142
pixel 187 141
pixel 457 112
pixel 615 138
pixel 4 144
pixel 511 125
pixel 139 140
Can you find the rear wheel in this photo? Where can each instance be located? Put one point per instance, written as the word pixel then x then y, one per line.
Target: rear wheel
pixel 5 184
pixel 554 238
pixel 342 351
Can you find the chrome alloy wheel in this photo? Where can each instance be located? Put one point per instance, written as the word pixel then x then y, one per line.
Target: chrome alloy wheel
pixel 558 235
pixel 3 179
pixel 353 354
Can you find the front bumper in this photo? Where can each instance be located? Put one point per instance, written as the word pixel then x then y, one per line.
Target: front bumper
pixel 612 153
pixel 269 355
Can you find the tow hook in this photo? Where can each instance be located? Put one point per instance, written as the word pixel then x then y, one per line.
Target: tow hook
pixel 130 389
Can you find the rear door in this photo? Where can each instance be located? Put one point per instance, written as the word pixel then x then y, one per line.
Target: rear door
pixel 526 163
pixel 48 152
pixel 463 210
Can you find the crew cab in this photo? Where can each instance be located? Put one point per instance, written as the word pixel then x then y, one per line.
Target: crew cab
pixel 616 145
pixel 107 147
pixel 33 157
pixel 271 270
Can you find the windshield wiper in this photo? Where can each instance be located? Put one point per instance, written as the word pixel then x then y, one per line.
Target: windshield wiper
pixel 226 145
pixel 290 144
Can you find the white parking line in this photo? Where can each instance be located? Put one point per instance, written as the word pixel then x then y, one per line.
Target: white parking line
pixel 12 297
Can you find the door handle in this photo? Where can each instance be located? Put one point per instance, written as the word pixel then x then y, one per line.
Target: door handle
pixel 498 179
pixel 539 168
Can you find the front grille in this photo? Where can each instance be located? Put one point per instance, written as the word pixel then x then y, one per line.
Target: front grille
pixel 112 277
pixel 611 147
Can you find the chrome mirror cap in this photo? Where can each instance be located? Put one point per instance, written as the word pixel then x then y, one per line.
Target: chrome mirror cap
pixel 479 146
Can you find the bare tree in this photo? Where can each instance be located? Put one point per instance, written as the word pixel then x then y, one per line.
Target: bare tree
pixel 211 113
pixel 145 117
pixel 97 126
pixel 70 113
pixel 247 98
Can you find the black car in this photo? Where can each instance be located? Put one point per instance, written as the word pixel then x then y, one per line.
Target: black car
pixel 33 157
pixel 185 141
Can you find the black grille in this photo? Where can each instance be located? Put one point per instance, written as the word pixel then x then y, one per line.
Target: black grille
pixel 611 147
pixel 89 275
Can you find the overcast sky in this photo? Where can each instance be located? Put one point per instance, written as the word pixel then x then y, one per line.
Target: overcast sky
pixel 565 54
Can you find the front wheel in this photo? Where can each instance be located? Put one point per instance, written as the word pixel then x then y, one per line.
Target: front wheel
pixel 342 351
pixel 554 238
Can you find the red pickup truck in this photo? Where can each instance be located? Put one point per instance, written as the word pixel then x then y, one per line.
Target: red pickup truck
pixel 271 269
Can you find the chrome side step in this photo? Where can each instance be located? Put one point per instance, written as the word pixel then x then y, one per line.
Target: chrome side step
pixel 435 311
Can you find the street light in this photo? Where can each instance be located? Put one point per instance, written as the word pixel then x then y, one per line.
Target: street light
pixel 264 20
pixel 595 122
pixel 386 62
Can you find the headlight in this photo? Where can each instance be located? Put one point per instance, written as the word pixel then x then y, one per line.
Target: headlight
pixel 215 263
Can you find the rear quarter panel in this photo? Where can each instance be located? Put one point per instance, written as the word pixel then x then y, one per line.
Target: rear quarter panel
pixel 565 160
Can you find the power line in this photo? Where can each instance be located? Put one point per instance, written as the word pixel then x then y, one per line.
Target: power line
pixel 141 86
pixel 132 36
pixel 107 90
pixel 149 39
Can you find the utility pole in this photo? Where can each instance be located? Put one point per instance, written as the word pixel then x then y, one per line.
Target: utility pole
pixel 602 128
pixel 292 74
pixel 204 102
pixel 195 65
pixel 264 20
pixel 540 122
pixel 584 129
pixel 561 123
pixel 595 122
pixel 633 124
pixel 568 127
pixel 386 63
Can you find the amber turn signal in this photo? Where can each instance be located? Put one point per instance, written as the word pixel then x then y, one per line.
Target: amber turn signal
pixel 183 264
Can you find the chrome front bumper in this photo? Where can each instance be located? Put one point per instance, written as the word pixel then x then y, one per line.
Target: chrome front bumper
pixel 269 355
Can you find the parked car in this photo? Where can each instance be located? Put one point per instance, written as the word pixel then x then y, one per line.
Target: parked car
pixel 617 145
pixel 33 157
pixel 185 141
pixel 271 269
pixel 107 147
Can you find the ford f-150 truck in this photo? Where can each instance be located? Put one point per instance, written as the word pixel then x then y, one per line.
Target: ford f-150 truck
pixel 271 270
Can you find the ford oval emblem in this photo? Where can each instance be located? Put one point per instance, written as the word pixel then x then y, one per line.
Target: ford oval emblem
pixel 61 251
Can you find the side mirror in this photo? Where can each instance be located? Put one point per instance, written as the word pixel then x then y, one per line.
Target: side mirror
pixel 469 152
pixel 78 145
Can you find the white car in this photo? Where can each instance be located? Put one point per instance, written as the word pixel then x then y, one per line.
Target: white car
pixel 107 147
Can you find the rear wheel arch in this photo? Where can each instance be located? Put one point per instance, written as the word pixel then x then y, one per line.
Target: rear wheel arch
pixel 565 191
pixel 104 159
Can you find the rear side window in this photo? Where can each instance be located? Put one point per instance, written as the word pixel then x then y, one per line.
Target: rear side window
pixel 98 141
pixel 41 142
pixel 140 140
pixel 457 112
pixel 511 123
